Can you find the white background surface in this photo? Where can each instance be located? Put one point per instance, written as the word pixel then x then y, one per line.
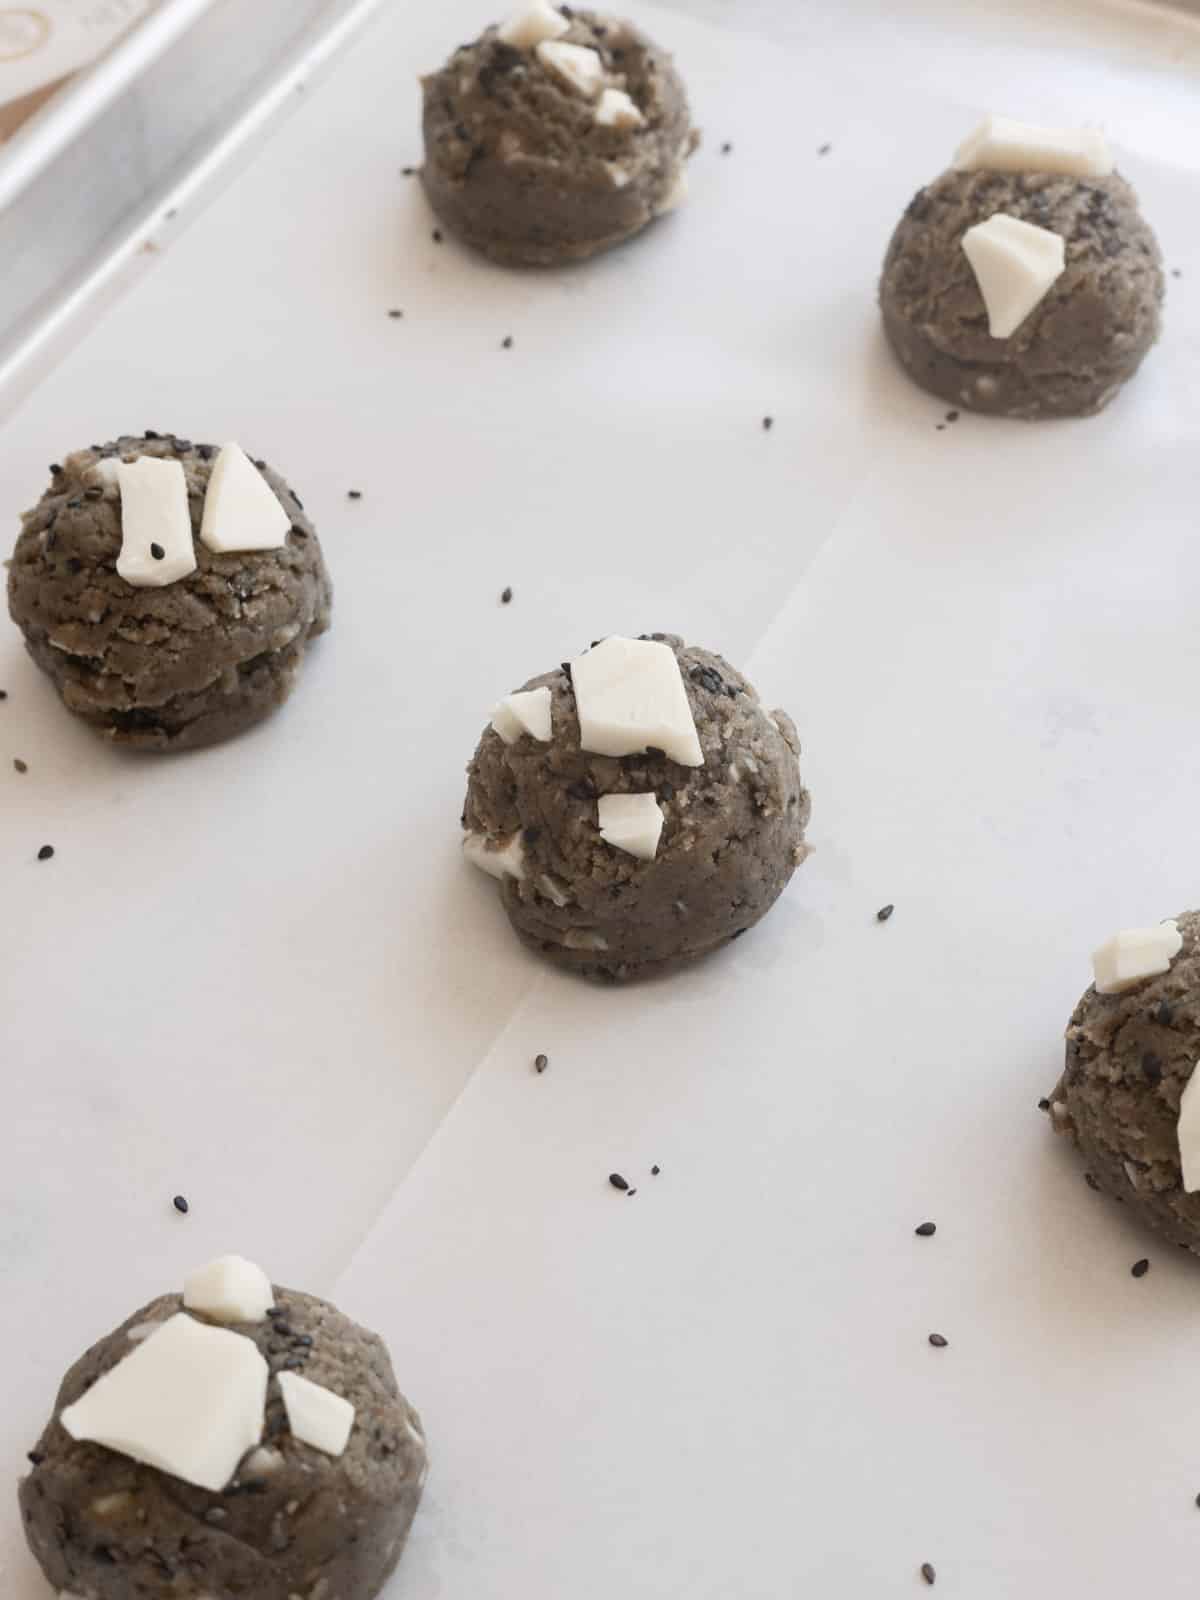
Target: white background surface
pixel 260 975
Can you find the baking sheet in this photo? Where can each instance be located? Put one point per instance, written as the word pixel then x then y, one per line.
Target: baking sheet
pixel 260 976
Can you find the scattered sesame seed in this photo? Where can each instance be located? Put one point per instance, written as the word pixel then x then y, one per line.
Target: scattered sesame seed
pixel 1198 1499
pixel 884 913
pixel 928 1572
pixel 1090 1179
pixel 3 694
pixel 35 1458
pixel 540 1063
pixel 952 416
pixel 1177 272
pixel 20 765
pixel 1139 1269
pixel 181 1205
pixel 354 494
pixel 507 342
pixel 1043 1104
pixel 727 147
pixel 938 1341
pixel 506 596
pixel 437 236
pixel 45 852
pixel 150 434
pixel 55 469
pixel 654 1171
pixel 157 551
pixel 926 1230
pixel 617 1181
pixel 408 172
pixel 395 313
pixel 768 423
pixel 824 149
pixel 629 1193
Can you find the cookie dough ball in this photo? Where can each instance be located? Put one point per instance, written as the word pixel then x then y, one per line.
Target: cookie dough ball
pixel 293 1521
pixel 539 153
pixel 1077 347
pixel 718 841
pixel 168 668
pixel 1129 1058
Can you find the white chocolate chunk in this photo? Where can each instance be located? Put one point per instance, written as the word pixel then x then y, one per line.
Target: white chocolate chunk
pixel 579 68
pixel 1129 958
pixel 619 176
pixel 156 529
pixel 189 1401
pixel 527 711
pixel 539 21
pixel 631 822
pixel 1189 1133
pixel 316 1416
pixel 229 1289
pixel 1000 144
pixel 1016 265
pixel 616 109
pixel 105 473
pixel 501 859
pixel 630 695
pixel 241 510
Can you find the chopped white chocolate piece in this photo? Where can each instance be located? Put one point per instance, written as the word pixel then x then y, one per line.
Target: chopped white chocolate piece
pixel 188 1400
pixel 619 176
pixel 1000 144
pixel 105 473
pixel 530 27
pixel 631 822
pixel 630 697
pixel 527 711
pixel 316 1416
pixel 1016 265
pixel 616 109
pixel 1189 1133
pixel 1129 958
pixel 156 527
pixel 501 858
pixel 229 1289
pixel 579 68
pixel 241 510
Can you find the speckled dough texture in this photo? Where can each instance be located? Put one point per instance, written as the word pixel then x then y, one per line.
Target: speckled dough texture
pixel 1129 1058
pixel 172 668
pixel 1075 350
pixel 732 837
pixel 295 1525
pixel 516 165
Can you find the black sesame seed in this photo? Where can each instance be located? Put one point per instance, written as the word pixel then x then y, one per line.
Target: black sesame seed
pixel 3 694
pixel 1139 1269
pixel 656 752
pixel 617 1181
pixel 884 913
pixel 629 1193
pixel 1198 1496
pixel 354 494
pixel 938 1341
pixel 654 1171
pixel 437 236
pixel 1177 272
pixel 507 342
pixel 181 1205
pixel 928 1572
pixel 35 1458
pixel 45 852
pixel 1166 1013
pixel 19 764
pixel 565 666
pixel 157 551
pixel 727 147
pixel 150 434
pixel 261 465
pixel 74 505
pixel 540 1063
pixel 408 172
pixel 768 423
pixel 395 314
pixel 926 1230
pixel 952 416
pixel 1092 1182
pixel 284 1328
pixel 506 596
pixel 55 469
pixel 204 451
pixel 1043 1104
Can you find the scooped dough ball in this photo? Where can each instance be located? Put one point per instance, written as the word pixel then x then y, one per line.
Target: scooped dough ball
pixel 732 833
pixel 1129 1059
pixel 521 165
pixel 1075 350
pixel 294 1522
pixel 167 668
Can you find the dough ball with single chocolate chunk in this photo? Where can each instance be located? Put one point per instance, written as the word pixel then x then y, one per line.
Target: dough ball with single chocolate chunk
pixel 1090 319
pixel 326 1520
pixel 176 610
pixel 1126 1097
pixel 555 135
pixel 640 806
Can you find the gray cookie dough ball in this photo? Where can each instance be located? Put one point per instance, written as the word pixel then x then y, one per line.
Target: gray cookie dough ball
pixel 733 829
pixel 294 1522
pixel 162 669
pixel 517 165
pixel 1075 350
pixel 1128 1060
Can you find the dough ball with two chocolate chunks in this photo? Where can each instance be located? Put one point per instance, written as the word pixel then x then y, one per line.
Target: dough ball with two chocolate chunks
pixel 555 135
pixel 1125 1098
pixel 172 608
pixel 308 1510
pixel 640 806
pixel 1025 281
